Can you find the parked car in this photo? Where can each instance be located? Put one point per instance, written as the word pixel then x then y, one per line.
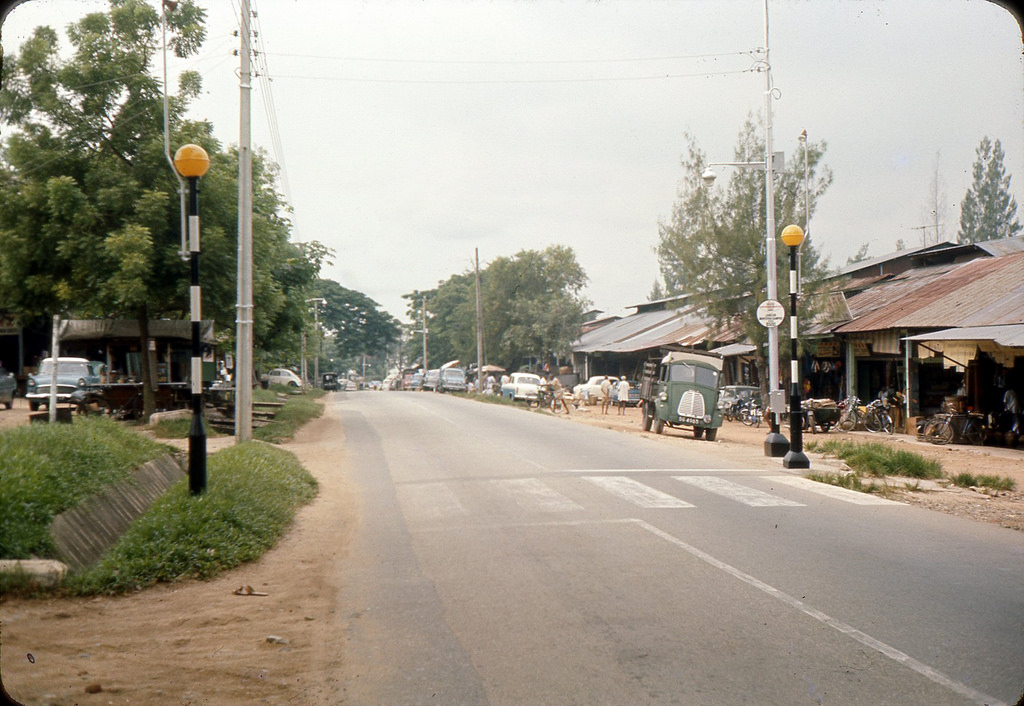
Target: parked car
pixel 634 393
pixel 72 374
pixel 735 393
pixel 281 376
pixel 453 380
pixel 590 391
pixel 522 386
pixel 432 380
pixel 8 384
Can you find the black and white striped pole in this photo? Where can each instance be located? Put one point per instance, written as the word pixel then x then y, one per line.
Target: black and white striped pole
pixel 192 162
pixel 792 236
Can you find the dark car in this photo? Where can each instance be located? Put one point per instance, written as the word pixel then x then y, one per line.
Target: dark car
pixel 8 384
pixel 330 381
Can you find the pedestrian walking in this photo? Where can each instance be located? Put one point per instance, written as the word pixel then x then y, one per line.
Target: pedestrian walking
pixel 606 394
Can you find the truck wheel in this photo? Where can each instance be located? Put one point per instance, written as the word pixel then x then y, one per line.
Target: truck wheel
pixel 659 425
pixel 710 434
pixel 33 405
pixel 698 432
pixel 647 418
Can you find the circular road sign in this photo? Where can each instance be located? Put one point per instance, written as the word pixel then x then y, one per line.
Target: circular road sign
pixel 770 313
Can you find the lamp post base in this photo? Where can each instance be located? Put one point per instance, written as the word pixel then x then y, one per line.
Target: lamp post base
pixel 796 459
pixel 775 445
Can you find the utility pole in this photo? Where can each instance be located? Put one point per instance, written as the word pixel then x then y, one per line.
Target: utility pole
pixel 479 326
pixel 244 310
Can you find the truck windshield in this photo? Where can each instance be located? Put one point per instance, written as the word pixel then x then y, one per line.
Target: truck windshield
pixel 681 372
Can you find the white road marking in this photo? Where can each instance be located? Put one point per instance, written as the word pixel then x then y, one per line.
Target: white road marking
pixel 534 495
pixel 429 501
pixel 737 492
pixel 620 471
pixel 834 492
pixel 848 630
pixel 637 493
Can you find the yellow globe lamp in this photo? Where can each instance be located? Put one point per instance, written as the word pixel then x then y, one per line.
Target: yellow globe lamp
pixel 792 235
pixel 191 161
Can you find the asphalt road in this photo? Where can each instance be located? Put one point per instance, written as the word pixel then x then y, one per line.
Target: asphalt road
pixel 507 557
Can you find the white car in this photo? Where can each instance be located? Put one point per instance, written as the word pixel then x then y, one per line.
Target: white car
pixel 281 376
pixel 522 386
pixel 590 391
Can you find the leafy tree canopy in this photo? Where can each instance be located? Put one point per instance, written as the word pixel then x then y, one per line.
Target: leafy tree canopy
pixel 90 222
pixel 532 309
pixel 712 248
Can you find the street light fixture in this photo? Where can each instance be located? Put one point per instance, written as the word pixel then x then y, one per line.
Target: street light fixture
pixel 792 236
pixel 192 162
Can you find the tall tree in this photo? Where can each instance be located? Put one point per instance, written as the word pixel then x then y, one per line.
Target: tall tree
pixel 935 209
pixel 713 246
pixel 988 211
pixel 532 309
pixel 354 323
pixel 89 217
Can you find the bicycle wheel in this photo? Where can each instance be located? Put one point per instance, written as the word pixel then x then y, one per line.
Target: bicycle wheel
pixel 848 422
pixel 873 421
pixel 943 433
pixel 748 417
pixel 974 433
pixel 887 426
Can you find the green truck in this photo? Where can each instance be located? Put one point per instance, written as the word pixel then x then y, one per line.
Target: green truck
pixel 681 390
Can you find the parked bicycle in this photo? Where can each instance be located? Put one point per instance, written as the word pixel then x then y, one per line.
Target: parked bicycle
pixel 750 413
pixel 852 414
pixel 876 417
pixel 948 427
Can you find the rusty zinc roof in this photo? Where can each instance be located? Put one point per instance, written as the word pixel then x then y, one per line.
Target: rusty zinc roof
pixel 982 292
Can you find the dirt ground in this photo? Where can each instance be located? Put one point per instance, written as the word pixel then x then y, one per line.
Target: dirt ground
pixel 219 643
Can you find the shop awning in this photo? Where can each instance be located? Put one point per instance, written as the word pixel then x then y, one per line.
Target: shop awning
pixel 1008 335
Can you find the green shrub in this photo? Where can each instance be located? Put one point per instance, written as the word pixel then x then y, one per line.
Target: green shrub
pixel 967 480
pixel 879 460
pixel 48 468
pixel 252 492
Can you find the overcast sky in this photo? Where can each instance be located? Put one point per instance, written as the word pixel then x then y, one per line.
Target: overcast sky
pixel 413 131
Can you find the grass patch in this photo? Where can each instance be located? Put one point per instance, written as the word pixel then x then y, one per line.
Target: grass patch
pixel 297 411
pixel 850 481
pixel 252 493
pixel 48 468
pixel 967 480
pixel 879 460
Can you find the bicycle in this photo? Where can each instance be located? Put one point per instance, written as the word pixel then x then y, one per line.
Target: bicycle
pixel 876 417
pixel 853 413
pixel 750 413
pixel 946 427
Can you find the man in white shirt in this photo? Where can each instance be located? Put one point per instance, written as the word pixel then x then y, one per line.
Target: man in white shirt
pixel 623 390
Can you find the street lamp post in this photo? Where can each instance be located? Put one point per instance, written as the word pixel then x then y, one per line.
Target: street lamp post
pixel 316 302
pixel 792 236
pixel 775 444
pixel 192 162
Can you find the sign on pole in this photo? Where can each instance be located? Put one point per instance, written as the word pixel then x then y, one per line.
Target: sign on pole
pixel 770 313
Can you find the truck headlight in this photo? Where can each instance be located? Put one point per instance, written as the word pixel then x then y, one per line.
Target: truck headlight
pixel 707 418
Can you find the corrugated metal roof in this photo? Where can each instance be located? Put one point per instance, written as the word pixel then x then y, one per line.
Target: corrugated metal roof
pixel 983 292
pixel 1010 335
pixel 601 338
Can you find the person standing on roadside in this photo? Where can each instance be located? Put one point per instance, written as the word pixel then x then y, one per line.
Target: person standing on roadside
pixel 623 389
pixel 606 394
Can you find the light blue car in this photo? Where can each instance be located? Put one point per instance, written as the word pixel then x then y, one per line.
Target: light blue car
pixel 72 374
